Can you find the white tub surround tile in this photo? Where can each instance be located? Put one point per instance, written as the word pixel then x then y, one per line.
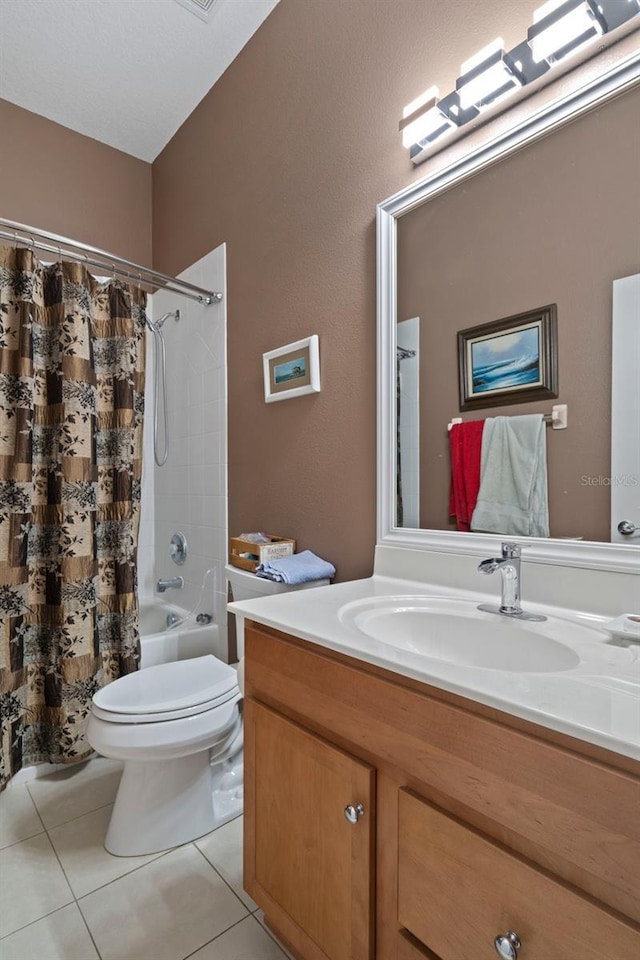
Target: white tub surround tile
pixel 172 907
pixel 76 790
pixel 190 490
pixel 80 847
pixel 62 935
pixel 18 817
pixel 248 940
pixel 32 883
pixel 223 850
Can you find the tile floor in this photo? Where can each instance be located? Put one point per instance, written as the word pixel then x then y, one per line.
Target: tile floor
pixel 63 897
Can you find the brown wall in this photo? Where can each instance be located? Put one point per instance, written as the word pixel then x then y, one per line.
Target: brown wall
pixel 556 223
pixel 285 160
pixel 53 178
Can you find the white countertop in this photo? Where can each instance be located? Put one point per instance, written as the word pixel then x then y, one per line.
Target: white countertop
pixel 597 701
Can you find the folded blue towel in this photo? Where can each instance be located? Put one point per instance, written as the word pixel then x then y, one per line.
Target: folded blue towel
pixel 300 568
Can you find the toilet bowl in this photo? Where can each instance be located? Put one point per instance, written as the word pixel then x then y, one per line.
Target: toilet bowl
pixel 178 729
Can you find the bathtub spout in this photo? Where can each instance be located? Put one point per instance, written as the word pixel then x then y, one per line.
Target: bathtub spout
pixel 176 583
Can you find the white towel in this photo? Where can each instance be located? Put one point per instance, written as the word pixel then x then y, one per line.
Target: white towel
pixel 513 496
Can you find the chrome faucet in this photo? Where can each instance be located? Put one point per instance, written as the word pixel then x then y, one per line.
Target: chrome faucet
pixel 174 583
pixel 509 566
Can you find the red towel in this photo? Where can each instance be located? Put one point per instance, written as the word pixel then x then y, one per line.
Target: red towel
pixel 466 449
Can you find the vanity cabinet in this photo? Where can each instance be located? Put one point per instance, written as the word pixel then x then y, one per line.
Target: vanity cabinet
pixel 475 825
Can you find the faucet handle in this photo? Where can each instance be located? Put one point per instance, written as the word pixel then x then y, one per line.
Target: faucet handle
pixel 511 551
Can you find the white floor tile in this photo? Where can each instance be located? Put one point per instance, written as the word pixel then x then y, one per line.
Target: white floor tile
pixel 80 846
pixel 60 936
pixel 31 883
pixel 259 916
pixel 76 790
pixel 223 849
pixel 246 941
pixel 18 816
pixel 165 911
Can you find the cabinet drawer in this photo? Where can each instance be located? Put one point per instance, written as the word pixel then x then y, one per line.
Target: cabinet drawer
pixel 458 890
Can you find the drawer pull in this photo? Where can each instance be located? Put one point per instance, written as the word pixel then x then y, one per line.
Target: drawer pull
pixel 507 945
pixel 353 812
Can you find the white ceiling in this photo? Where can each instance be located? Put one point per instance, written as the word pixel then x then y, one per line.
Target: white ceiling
pixel 125 72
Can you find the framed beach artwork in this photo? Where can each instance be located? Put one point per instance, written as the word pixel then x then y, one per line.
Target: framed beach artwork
pixel 292 370
pixel 513 360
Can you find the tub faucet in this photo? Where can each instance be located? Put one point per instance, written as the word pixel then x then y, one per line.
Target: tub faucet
pixel 174 583
pixel 509 566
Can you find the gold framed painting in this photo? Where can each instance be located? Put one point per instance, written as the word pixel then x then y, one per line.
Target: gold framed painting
pixel 513 360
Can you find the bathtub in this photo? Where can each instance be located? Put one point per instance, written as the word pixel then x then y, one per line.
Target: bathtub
pixel 189 639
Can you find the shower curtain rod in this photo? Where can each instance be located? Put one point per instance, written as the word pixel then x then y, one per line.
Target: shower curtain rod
pixel 83 253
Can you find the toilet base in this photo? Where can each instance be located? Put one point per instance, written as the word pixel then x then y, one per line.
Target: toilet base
pixel 165 803
pixel 228 790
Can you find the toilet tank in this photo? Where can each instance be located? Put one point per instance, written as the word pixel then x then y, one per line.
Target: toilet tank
pixel 246 586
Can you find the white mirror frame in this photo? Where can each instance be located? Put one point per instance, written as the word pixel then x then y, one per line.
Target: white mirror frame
pixel 624 558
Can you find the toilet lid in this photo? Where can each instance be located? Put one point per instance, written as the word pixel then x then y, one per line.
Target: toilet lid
pixel 169 687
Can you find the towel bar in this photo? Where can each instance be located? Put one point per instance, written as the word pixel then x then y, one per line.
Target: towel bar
pixel 558 417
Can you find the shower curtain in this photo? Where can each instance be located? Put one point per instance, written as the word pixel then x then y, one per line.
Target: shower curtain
pixel 71 408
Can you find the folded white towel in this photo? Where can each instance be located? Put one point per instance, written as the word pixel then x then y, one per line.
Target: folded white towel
pixel 300 568
pixel 513 496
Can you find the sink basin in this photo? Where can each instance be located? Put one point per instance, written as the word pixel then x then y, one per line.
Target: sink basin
pixel 456 631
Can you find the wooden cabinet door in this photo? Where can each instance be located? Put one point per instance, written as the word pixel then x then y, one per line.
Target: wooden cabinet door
pixel 306 865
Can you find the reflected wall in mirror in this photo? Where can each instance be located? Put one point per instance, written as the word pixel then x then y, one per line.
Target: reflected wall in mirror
pixel 554 223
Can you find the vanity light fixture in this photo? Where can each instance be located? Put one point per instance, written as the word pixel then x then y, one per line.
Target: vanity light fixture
pixel 422 120
pixel 487 76
pixel 560 28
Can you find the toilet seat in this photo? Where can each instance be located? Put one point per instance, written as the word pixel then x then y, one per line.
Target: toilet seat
pixel 168 691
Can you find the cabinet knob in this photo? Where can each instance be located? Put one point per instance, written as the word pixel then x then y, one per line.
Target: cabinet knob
pixel 353 812
pixel 627 528
pixel 507 945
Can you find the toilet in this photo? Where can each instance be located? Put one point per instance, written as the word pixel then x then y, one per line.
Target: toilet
pixel 178 729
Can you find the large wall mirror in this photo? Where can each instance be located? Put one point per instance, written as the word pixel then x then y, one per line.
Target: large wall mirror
pixel 546 214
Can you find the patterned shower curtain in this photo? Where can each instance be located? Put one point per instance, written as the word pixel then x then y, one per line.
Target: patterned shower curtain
pixel 71 408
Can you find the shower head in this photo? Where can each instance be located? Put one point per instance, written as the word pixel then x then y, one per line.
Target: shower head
pixel 155 325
